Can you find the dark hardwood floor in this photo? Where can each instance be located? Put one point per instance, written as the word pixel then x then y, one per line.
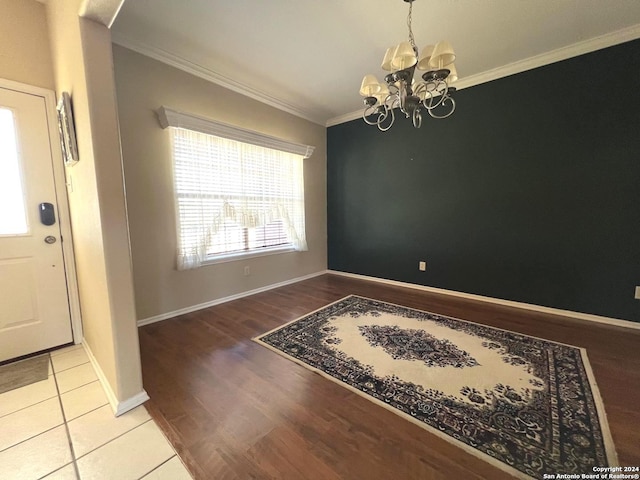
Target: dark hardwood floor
pixel 236 410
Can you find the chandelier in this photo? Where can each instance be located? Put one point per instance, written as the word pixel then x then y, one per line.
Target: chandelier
pixel 432 94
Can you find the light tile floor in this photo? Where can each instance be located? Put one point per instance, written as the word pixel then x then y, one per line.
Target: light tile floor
pixel 63 428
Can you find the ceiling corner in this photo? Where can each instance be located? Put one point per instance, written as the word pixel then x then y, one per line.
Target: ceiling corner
pixel 101 11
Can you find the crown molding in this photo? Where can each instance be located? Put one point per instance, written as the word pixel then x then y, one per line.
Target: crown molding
pixel 347 117
pixel 563 53
pixel 211 76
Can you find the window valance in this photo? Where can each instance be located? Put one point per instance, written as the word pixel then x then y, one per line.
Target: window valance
pixel 173 118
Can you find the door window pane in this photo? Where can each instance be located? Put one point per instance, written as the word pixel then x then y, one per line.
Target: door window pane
pixel 13 217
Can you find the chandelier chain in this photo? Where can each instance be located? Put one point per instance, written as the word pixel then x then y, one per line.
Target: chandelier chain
pixel 412 40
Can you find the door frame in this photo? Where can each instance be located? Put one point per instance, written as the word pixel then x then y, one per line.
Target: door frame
pixel 62 200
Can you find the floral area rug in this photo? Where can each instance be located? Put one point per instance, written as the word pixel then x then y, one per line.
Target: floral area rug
pixel 526 405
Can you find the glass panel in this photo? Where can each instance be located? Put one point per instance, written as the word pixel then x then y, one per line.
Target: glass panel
pixel 13 216
pixel 229 239
pixel 269 235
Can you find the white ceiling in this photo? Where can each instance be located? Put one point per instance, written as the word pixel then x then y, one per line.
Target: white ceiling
pixel 308 57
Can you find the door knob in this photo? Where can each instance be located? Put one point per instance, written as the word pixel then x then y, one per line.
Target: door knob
pixel 49 239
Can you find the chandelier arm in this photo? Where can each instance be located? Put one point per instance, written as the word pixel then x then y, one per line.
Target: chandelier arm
pixel 453 108
pixel 368 111
pixel 443 95
pixel 395 103
pixel 427 102
pixel 383 111
pixel 383 115
pixel 391 115
pixel 417 118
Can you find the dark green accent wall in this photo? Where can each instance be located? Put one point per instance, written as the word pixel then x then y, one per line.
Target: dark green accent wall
pixel 529 192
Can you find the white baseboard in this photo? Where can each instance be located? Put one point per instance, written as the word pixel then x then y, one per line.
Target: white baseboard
pixel 131 403
pixel 118 407
pixel 218 301
pixel 509 303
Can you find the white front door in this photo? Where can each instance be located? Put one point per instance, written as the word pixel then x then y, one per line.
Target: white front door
pixel 34 305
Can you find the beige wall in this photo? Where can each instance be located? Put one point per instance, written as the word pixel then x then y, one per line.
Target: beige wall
pixel 82 60
pixel 24 44
pixel 143 85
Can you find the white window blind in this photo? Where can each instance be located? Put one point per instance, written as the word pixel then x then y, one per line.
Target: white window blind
pixel 234 198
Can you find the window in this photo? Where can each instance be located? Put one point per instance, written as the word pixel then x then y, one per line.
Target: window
pixel 13 215
pixel 234 198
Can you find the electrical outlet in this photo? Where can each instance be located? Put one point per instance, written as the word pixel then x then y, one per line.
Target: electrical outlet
pixel 422 266
pixel 637 293
pixel 247 271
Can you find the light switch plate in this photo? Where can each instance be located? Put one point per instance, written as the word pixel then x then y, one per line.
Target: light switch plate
pixel 637 293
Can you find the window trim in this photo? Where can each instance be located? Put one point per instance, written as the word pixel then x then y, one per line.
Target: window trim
pixel 237 256
pixel 248 253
